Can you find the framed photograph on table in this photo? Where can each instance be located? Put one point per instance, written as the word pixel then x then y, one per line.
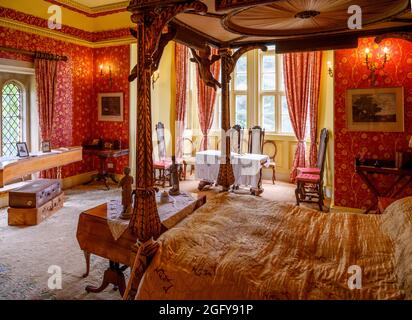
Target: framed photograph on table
pixel 22 150
pixel 110 106
pixel 375 109
pixel 46 146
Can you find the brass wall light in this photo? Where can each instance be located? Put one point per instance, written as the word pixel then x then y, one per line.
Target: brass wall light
pixel 330 69
pixel 109 74
pixel 375 66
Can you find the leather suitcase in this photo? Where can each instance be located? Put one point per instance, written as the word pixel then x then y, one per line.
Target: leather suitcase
pixel 33 216
pixel 34 194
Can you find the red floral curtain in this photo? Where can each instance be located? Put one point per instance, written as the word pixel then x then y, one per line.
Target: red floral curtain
pixel 181 68
pixel 297 75
pixel 46 83
pixel 206 97
pixel 315 74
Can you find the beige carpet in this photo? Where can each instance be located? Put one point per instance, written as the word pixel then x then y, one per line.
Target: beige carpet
pixel 26 253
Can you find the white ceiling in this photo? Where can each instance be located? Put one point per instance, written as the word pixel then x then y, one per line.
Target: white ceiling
pixel 97 3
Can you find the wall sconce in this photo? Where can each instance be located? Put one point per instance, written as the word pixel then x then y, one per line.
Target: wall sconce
pixel 373 67
pixel 109 76
pixel 330 69
pixel 155 77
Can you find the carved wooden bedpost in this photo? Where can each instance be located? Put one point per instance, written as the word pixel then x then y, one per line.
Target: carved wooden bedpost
pixel 229 60
pixel 226 177
pixel 151 17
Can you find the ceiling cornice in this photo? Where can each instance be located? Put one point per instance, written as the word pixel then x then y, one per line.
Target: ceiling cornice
pixel 91 11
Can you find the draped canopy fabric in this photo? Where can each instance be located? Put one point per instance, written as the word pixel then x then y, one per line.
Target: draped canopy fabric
pixel 314 90
pixel 46 82
pixel 206 97
pixel 296 74
pixel 181 66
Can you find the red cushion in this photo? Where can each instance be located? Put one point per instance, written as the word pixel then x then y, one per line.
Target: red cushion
pixel 162 164
pixel 306 177
pixel 309 170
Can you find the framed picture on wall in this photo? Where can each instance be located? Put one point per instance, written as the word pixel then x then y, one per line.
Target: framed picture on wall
pixel 110 106
pixel 375 109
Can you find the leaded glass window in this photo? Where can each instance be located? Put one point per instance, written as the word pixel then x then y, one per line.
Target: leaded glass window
pixel 11 117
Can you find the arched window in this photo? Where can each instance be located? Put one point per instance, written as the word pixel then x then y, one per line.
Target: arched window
pixel 11 117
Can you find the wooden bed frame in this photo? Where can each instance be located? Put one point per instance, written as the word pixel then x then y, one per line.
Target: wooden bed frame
pixel 153 18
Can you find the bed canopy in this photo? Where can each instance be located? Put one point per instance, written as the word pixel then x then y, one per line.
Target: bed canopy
pixel 235 27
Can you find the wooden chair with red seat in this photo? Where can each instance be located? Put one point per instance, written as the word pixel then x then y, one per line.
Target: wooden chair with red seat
pixel 310 180
pixel 162 165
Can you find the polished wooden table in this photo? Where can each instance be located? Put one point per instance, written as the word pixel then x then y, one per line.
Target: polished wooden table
pixel 94 237
pixel 403 177
pixel 103 175
pixel 17 168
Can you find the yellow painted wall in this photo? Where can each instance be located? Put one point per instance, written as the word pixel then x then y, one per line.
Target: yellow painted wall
pixel 71 18
pixel 163 97
pixel 326 116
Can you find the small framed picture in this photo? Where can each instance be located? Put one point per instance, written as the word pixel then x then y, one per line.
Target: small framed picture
pixel 375 109
pixel 110 106
pixel 46 146
pixel 22 150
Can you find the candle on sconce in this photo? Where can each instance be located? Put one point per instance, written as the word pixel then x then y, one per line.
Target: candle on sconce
pixel 101 69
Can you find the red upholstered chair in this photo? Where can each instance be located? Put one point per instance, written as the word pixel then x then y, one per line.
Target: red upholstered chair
pixel 310 180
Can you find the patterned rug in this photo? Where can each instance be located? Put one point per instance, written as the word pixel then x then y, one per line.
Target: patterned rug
pixel 27 254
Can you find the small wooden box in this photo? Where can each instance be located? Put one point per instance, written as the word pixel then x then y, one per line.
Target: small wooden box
pixel 35 194
pixel 33 216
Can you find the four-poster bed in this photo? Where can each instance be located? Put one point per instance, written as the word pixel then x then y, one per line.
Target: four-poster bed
pixel 242 25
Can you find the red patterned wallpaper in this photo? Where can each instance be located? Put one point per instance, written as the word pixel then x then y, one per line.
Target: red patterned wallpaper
pixel 119 60
pixel 78 85
pixel 351 72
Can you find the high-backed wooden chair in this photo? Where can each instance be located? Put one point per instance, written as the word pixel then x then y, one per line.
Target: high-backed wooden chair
pixel 236 135
pixel 310 180
pixel 256 140
pixel 189 156
pixel 163 164
pixel 270 149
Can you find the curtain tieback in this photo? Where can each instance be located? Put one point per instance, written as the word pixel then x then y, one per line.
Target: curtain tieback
pixel 301 141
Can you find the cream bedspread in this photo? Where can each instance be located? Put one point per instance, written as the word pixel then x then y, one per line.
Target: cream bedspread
pixel 245 247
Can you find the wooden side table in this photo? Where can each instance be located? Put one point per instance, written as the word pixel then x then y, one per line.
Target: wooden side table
pixel 403 177
pixel 103 175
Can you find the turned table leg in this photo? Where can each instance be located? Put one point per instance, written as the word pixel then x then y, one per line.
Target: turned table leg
pixel 87 257
pixel 113 275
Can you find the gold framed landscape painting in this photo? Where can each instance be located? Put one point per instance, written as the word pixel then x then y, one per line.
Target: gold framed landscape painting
pixel 375 109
